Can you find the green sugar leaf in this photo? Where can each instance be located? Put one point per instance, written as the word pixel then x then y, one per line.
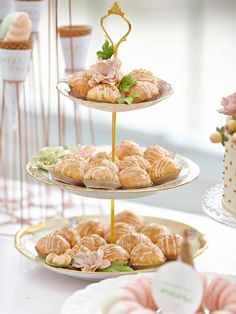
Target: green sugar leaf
pixel 106 52
pixel 117 267
pixel 126 83
pixel 127 100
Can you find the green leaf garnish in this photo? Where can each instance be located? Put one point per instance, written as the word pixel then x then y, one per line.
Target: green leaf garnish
pixel 223 135
pixel 126 83
pixel 106 52
pixel 127 100
pixel 117 267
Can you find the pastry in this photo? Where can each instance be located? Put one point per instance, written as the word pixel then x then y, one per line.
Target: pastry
pixel 170 245
pixel 104 93
pixel 154 231
pixel 120 228
pixel 130 218
pixel 164 170
pixel 77 249
pixel 99 158
pixel 82 151
pixel 52 243
pixel 155 152
pixel 114 253
pixel 130 240
pixel 137 161
pixel 128 148
pixel 146 91
pixel 146 256
pixel 79 85
pixel 134 177
pixel 71 171
pixel 102 178
pixel 92 242
pixel 68 234
pixel 88 227
pixel 144 76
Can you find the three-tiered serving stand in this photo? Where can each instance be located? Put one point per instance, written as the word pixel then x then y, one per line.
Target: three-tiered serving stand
pixel 190 170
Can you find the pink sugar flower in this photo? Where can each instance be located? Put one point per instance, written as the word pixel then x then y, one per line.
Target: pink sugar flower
pixel 90 261
pixel 229 105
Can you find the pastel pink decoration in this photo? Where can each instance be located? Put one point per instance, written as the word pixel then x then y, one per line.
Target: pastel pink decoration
pixel 106 72
pixel 231 308
pixel 214 290
pixel 221 312
pixel 90 261
pixel 228 296
pixel 229 105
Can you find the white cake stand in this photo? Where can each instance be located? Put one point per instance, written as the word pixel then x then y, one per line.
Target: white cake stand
pixel 212 206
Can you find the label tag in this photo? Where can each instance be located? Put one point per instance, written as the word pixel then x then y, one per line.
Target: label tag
pixel 177 288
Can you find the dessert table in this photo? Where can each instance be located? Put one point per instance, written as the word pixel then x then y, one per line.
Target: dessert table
pixel 26 288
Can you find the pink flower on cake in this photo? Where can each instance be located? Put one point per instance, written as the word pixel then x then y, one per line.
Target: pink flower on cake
pixel 90 261
pixel 229 105
pixel 106 72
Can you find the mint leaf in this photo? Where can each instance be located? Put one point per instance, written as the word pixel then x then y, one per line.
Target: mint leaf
pixel 117 267
pixel 127 100
pixel 126 83
pixel 106 52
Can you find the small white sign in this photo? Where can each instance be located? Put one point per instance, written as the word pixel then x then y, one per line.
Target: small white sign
pixel 177 288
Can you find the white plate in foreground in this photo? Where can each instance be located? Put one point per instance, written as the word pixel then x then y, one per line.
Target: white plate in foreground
pixel 26 239
pixel 64 89
pixel 78 302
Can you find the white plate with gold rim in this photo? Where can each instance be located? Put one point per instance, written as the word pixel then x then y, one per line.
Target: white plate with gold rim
pixel 25 241
pixel 165 92
pixel 78 302
pixel 190 171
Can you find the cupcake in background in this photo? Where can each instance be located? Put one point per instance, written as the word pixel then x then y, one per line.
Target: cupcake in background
pixel 15 46
pixel 34 8
pixel 75 40
pixel 6 6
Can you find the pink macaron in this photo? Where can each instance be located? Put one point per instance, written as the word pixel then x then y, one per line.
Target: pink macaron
pixel 231 308
pixel 228 296
pixel 214 291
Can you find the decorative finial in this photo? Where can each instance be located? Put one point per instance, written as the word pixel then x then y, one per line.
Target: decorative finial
pixel 115 9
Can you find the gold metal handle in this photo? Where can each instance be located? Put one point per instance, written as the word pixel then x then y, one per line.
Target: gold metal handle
pixel 116 10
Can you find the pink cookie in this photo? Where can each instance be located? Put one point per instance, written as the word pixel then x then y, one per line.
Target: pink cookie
pixel 228 296
pixel 146 284
pixel 214 290
pixel 231 308
pixel 139 293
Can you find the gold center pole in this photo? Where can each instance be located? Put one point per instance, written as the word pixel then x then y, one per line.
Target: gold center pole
pixel 113 159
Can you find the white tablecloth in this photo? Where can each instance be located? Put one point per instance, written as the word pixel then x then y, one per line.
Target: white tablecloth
pixel 26 288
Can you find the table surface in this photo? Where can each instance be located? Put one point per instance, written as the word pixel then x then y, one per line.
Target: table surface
pixel 26 288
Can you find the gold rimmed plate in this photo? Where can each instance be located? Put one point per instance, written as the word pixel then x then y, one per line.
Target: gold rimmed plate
pixel 165 92
pixel 25 241
pixel 190 171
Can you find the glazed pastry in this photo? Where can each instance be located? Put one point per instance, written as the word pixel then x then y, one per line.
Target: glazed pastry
pixel 164 170
pixel 144 76
pixel 93 242
pixel 137 161
pixel 120 228
pixel 104 93
pixel 99 159
pixel 128 148
pixel 114 253
pixel 130 218
pixel 155 152
pixel 73 169
pixel 110 165
pixel 52 243
pixel 55 260
pixel 102 178
pixel 146 256
pixel 154 231
pixel 130 240
pixel 78 83
pixel 68 234
pixel 134 177
pixel 170 245
pixel 82 151
pixel 146 91
pixel 77 249
pixel 88 227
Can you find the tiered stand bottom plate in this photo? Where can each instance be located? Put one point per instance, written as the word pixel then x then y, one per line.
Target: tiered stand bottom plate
pixel 212 206
pixel 26 239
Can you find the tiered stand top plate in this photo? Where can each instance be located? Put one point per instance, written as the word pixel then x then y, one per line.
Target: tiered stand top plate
pixel 165 91
pixel 190 171
pixel 26 239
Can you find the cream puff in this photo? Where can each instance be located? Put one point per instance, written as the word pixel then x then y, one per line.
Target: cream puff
pixel 130 218
pixel 99 158
pixel 93 242
pixel 170 245
pixel 144 76
pixel 68 234
pixel 79 85
pixel 156 152
pixel 128 148
pixel 104 93
pixel 120 228
pixel 134 178
pixel 52 243
pixel 114 253
pixel 146 256
pixel 137 161
pixel 164 170
pixel 154 231
pixel 102 178
pixel 130 240
pixel 146 91
pixel 88 227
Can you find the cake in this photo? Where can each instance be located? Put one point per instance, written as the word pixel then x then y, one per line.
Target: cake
pixel 226 135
